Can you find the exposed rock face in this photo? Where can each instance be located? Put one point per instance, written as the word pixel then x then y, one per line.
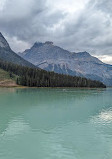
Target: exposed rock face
pixel 3 42
pixel 7 54
pixel 53 58
pixel 49 42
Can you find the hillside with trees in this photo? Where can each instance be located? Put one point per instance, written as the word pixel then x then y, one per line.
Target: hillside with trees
pixel 33 77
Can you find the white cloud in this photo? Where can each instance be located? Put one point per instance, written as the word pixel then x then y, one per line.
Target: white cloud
pixel 105 58
pixel 69 6
pixel 19 44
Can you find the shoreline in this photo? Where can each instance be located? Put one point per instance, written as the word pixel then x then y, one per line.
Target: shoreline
pixel 18 86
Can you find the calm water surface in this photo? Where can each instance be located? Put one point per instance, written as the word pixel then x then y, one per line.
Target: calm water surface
pixel 55 123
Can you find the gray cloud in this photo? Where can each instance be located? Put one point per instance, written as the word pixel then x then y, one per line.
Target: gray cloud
pixel 91 31
pixel 88 28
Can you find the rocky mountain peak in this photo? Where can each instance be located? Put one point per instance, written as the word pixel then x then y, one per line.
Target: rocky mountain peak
pixel 3 42
pixel 84 53
pixel 37 44
pixel 49 42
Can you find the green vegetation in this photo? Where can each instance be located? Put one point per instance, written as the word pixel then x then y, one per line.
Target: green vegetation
pixel 7 78
pixel 4 75
pixel 33 77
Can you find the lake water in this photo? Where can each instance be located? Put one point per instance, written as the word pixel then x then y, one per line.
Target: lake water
pixel 55 123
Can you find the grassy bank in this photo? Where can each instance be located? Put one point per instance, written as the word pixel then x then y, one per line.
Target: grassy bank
pixel 7 79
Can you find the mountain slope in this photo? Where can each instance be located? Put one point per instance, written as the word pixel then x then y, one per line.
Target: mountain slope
pixel 53 58
pixel 8 55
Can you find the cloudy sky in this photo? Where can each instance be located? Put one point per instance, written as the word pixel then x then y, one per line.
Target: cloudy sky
pixel 76 25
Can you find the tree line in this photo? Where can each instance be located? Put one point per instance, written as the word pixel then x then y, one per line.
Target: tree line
pixel 35 77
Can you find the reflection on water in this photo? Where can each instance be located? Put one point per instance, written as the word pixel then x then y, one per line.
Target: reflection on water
pixel 55 123
pixel 105 117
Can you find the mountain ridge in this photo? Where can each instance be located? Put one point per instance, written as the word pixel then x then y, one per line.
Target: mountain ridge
pixel 49 57
pixel 3 42
pixel 8 55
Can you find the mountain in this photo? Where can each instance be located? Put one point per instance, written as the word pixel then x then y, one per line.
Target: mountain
pixel 8 55
pixel 49 57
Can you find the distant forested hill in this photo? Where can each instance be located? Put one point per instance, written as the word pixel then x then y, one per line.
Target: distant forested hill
pixel 33 77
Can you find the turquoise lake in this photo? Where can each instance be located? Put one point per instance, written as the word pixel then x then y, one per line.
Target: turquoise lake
pixel 44 123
